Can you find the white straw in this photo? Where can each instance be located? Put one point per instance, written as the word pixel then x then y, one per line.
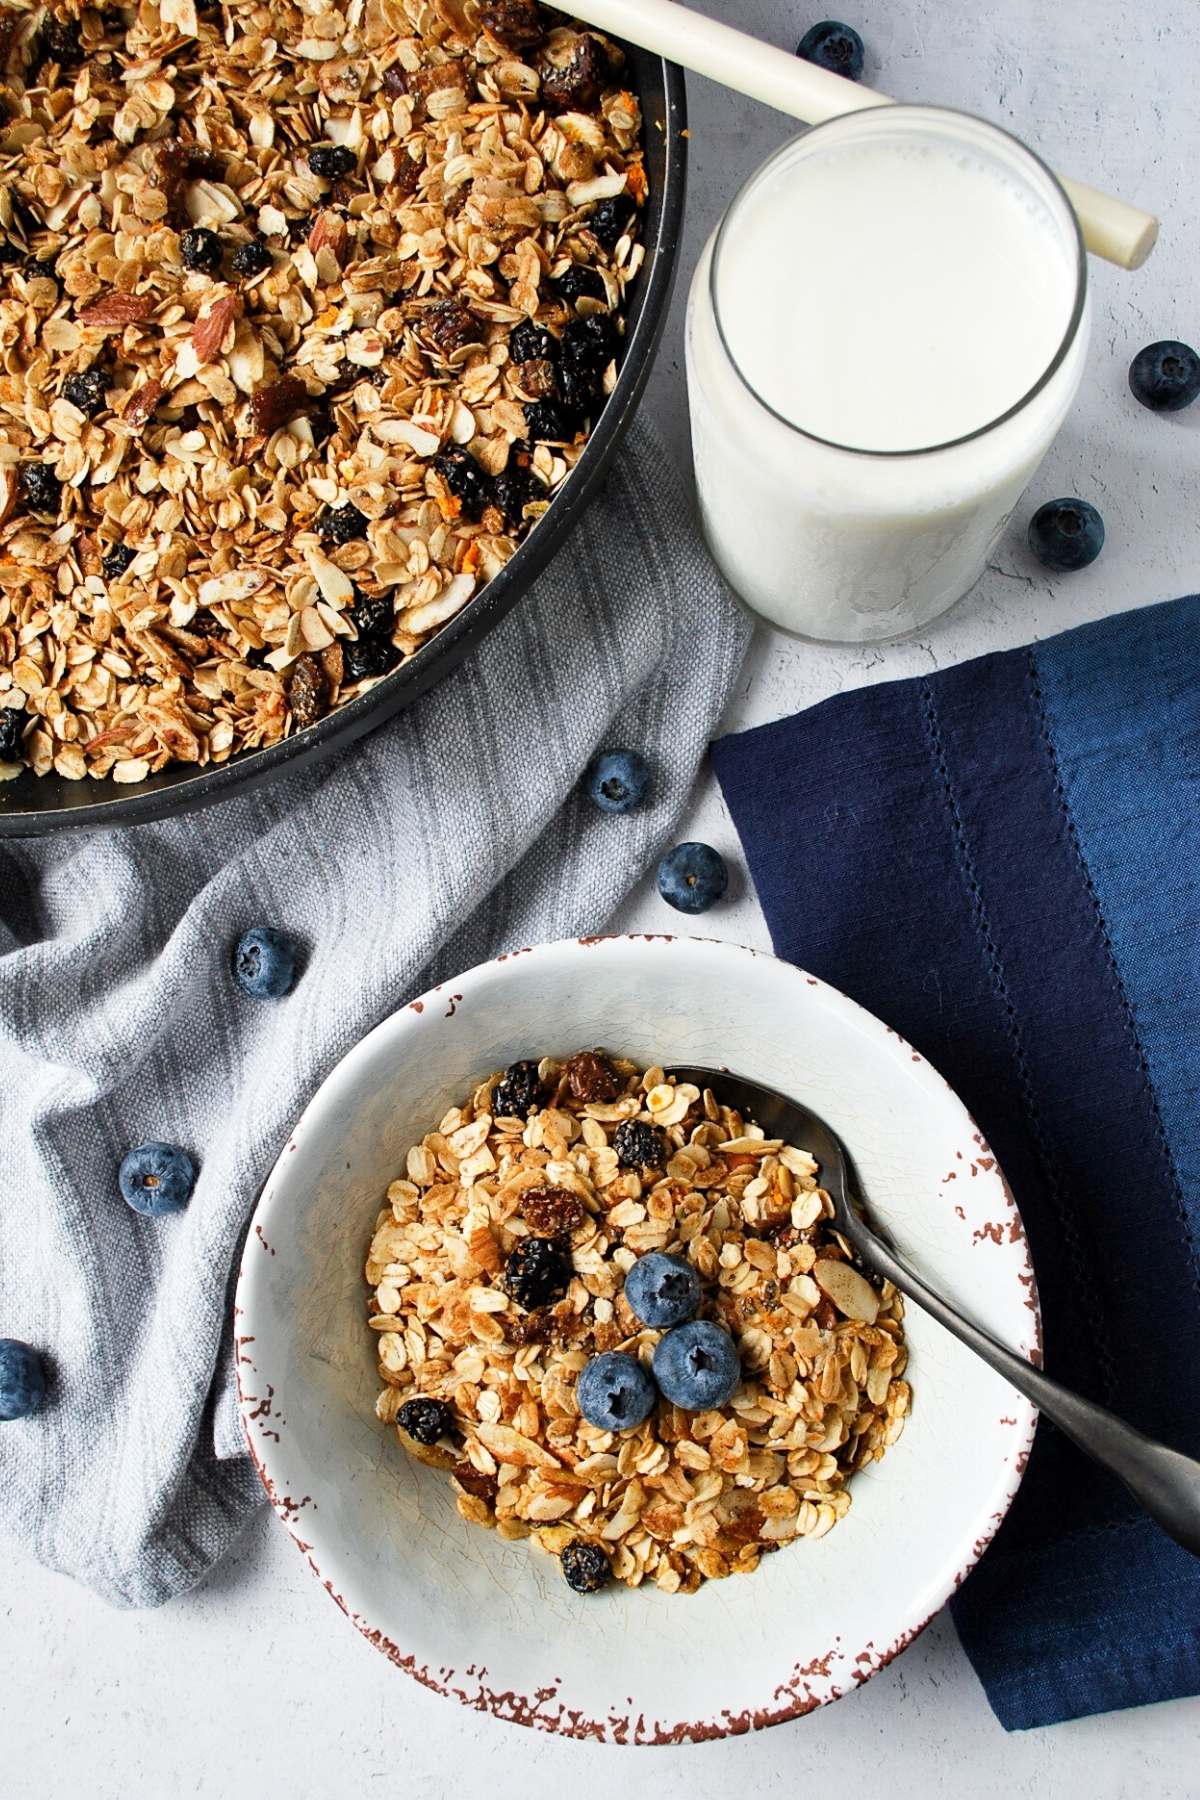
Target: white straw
pixel 1113 229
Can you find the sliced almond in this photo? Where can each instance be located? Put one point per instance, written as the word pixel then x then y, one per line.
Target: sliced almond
pixel 850 1292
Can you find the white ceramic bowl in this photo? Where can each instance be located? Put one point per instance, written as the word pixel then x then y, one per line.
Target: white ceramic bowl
pixel 492 1623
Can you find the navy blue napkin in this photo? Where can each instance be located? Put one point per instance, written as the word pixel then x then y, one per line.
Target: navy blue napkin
pixel 1003 861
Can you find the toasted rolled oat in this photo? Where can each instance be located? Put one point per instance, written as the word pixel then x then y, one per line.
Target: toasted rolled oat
pixel 288 245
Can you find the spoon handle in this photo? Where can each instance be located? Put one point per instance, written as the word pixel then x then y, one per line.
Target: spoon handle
pixel 1165 1482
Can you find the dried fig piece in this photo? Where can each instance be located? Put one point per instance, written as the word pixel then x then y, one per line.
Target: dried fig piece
pixel 517 24
pixel 551 1211
pixel 573 75
pixel 274 405
pixel 473 1481
pixel 449 326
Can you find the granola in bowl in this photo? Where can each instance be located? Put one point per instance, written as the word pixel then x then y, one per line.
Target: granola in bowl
pixel 498 1273
pixel 306 313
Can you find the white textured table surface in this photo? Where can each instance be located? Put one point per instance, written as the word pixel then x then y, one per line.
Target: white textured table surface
pixel 254 1683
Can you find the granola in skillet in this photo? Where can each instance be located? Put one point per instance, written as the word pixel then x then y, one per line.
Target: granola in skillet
pixel 306 310
pixel 481 1342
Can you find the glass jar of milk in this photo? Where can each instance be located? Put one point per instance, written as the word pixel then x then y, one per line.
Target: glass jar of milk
pixel 884 335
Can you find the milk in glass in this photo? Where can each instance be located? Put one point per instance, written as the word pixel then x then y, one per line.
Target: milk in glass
pixel 884 336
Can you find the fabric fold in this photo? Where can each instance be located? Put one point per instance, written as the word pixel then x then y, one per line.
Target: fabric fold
pixel 454 832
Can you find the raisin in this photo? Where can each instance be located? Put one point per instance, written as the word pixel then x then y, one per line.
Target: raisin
pixel 517 24
pixel 585 1567
pixel 546 423
pixel 341 524
pixel 532 343
pixel 573 84
pixel 579 283
pixel 744 1526
pixel 512 491
pixel 610 219
pixel 274 405
pixel 537 1327
pixel 115 561
pixel 330 161
pixel 536 379
pixel 407 178
pixel 538 1271
pixel 395 81
pixel 308 692
pixel 449 326
pixel 518 1093
pixel 41 490
pixel 551 1211
pixel 87 392
pixel 464 478
pixel 589 343
pixel 639 1146
pixel 200 250
pixel 368 658
pixel 372 615
pixel 426 1420
pixel 12 732
pixel 473 1481
pixel 251 259
pixel 590 1076
pixel 826 1314
pixel 60 42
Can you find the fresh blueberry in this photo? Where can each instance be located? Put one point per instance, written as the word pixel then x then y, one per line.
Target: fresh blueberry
pixel 692 877
pixel 1066 534
pixel 264 963
pixel 696 1366
pixel 585 1567
pixel 618 780
pixel 22 1379
pixel 157 1179
pixel 615 1392
pixel 835 47
pixel 662 1290
pixel 1165 376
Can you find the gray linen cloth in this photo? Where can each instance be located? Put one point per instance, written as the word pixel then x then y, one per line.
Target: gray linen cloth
pixel 456 831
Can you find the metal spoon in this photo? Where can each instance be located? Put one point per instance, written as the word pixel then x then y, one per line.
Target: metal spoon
pixel 1163 1481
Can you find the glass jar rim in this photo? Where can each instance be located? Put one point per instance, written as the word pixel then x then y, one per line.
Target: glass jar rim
pixel 890 112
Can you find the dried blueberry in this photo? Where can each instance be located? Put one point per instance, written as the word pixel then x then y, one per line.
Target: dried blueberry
pixel 12 733
pixel 610 219
pixel 464 478
pixel 341 524
pixel 546 423
pixel 44 268
pixel 426 1420
pixel 512 490
pixel 532 343
pixel 585 1567
pixel 251 259
pixel 580 283
pixel 60 41
pixel 518 1093
pixel 114 562
pixel 331 161
pixel 538 1271
pixel 87 392
pixel 589 343
pixel 638 1145
pixel 580 393
pixel 372 615
pixel 200 250
pixel 41 490
pixel 368 658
